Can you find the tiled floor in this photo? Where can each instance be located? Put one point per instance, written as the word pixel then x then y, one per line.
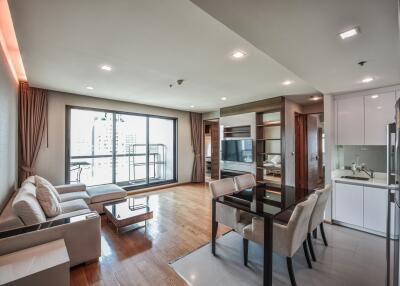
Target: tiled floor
pixel 352 258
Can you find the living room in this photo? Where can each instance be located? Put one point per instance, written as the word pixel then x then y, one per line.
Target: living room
pixel 199 143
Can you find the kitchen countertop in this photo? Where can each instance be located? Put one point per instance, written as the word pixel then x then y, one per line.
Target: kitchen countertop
pixel 379 180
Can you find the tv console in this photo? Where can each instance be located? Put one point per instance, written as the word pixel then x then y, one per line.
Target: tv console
pixel 226 173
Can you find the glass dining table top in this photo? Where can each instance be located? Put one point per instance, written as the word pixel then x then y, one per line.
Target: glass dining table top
pixel 263 200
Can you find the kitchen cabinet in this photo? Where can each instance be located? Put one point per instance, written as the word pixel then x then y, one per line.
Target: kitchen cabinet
pixel 379 111
pixel 375 208
pixel 349 204
pixel 350 121
pixel 363 206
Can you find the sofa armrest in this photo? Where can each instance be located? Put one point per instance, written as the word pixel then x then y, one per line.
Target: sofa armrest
pixel 62 189
pixel 82 236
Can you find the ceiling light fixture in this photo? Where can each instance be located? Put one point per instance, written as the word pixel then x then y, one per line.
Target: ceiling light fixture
pixel 106 68
pixel 367 79
pixel 192 106
pixel 238 54
pixel 374 96
pixel 350 33
pixel 89 87
pixel 287 82
pixel 223 98
pixel 315 97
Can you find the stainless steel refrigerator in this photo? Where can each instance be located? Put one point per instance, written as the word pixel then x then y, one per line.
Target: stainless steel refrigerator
pixel 393 175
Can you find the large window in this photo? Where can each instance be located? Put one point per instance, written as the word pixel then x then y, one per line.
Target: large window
pixel 114 147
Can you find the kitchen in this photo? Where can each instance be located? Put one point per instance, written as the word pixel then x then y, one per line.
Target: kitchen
pixel 363 177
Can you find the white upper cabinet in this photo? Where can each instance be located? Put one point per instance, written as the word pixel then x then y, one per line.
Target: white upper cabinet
pixel 350 121
pixel 379 111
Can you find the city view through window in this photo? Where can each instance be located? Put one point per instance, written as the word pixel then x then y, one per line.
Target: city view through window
pixel 127 149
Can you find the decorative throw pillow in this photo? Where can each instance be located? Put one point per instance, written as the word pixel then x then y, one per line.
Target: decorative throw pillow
pixel 47 183
pixel 46 197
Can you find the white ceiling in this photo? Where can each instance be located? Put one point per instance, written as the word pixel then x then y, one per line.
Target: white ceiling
pixel 149 44
pixel 303 36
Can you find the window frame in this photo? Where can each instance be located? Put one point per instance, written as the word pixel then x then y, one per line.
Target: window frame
pixel 68 109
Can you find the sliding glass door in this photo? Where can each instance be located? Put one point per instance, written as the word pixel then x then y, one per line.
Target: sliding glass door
pixel 115 147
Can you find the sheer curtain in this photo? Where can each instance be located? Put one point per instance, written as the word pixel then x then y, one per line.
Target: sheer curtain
pixel 32 122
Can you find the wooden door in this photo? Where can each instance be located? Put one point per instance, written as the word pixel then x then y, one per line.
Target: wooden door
pixel 301 160
pixel 214 131
pixel 313 154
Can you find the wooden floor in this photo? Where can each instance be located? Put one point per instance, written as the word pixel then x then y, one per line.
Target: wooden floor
pixel 181 224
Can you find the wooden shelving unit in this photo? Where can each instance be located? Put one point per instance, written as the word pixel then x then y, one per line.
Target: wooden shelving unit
pixel 268 141
pixel 237 131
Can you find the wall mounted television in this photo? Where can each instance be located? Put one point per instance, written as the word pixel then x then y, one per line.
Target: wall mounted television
pixel 238 150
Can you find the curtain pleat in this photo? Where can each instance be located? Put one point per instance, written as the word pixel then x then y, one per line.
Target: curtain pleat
pixel 32 122
pixel 196 128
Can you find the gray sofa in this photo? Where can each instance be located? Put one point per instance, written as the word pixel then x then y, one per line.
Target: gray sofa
pixel 82 236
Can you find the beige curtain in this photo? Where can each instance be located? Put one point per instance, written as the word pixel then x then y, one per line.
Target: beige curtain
pixel 198 167
pixel 32 122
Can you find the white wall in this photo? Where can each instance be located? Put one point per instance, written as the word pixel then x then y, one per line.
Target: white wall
pixel 51 159
pixel 330 150
pixel 290 159
pixel 240 120
pixel 8 130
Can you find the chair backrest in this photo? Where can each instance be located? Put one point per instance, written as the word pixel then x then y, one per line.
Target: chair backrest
pixel 317 215
pixel 298 224
pixel 245 181
pixel 222 187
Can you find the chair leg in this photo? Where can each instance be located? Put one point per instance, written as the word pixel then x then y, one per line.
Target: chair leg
pixel 321 227
pixel 290 270
pixel 307 254
pixel 310 246
pixel 245 251
pixel 314 233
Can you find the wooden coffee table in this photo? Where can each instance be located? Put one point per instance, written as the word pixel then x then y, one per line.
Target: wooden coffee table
pixel 131 211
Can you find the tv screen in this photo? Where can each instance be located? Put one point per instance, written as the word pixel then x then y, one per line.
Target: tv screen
pixel 237 150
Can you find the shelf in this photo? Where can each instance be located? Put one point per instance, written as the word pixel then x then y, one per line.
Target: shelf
pixel 237 131
pixel 268 125
pixel 265 139
pixel 266 153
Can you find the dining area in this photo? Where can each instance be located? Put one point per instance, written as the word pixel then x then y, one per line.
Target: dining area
pixel 280 220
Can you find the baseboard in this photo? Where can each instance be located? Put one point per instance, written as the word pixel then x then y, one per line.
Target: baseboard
pixel 156 188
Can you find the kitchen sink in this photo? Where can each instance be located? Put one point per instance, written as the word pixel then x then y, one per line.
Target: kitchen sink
pixel 355 178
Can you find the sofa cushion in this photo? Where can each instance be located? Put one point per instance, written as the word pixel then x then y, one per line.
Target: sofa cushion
pixel 46 197
pixel 27 207
pixel 74 196
pixel 48 185
pixel 105 193
pixel 70 214
pixel 75 205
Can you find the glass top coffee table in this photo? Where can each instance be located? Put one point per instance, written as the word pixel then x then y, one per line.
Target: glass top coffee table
pixel 129 212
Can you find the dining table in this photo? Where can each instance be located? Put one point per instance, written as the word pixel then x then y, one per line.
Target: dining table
pixel 269 203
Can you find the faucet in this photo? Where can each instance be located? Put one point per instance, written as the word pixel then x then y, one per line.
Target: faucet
pixel 362 168
pixel 365 169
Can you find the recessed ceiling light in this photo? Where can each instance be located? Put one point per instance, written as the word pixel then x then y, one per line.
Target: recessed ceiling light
pixel 379 107
pixel 106 68
pixel 367 79
pixel 315 97
pixel 374 96
pixel 287 82
pixel 238 54
pixel 350 33
pixel 89 87
pixel 223 98
pixel 191 106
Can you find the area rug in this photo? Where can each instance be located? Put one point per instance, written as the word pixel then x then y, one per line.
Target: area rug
pixel 352 258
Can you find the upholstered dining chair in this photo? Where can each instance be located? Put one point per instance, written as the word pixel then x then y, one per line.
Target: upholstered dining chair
pixel 245 181
pixel 317 218
pixel 288 238
pixel 226 215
